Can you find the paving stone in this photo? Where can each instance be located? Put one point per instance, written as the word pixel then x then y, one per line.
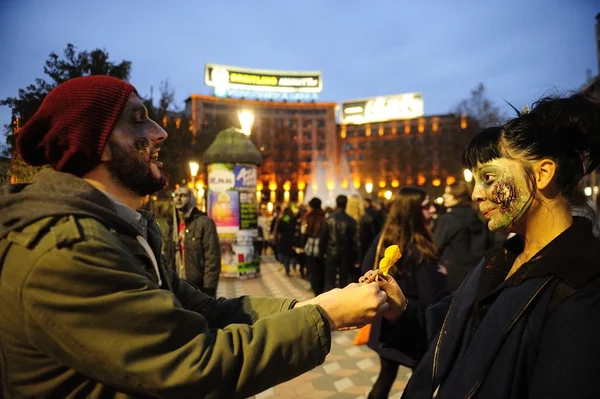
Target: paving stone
pixel 343 384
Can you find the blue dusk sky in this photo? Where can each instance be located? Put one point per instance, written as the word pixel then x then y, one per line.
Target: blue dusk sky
pixel 520 49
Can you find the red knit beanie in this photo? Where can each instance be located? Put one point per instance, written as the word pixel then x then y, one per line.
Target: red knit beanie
pixel 71 128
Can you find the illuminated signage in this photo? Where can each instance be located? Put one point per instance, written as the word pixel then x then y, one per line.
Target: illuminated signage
pixel 223 77
pixel 384 108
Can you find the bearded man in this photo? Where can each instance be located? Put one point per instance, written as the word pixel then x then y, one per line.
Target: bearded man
pixel 192 246
pixel 89 308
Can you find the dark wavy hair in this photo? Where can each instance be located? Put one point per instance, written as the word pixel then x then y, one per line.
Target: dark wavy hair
pixel 405 226
pixel 565 129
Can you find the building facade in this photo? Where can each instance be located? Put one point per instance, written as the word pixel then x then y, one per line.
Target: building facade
pixel 289 136
pixel 424 151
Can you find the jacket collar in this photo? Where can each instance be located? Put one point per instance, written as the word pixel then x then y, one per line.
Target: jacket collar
pixel 572 256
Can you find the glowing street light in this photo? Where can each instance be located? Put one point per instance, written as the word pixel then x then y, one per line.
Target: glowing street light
pixel 194 166
pixel 468 175
pixel 369 187
pixel 246 118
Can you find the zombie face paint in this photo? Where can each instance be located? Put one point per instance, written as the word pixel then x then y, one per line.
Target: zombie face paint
pixel 181 199
pixel 502 192
pixel 134 146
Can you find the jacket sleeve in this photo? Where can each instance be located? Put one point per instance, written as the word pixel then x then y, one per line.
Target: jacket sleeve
pixel 90 306
pixel 569 350
pixel 212 253
pixel 429 289
pixel 222 312
pixel 446 228
pixel 413 332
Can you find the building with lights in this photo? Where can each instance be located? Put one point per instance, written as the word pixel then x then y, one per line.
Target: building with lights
pixel 388 143
pixel 380 143
pixel 289 136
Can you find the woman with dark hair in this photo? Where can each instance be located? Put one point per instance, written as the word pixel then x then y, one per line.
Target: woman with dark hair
pixel 526 321
pixel 459 234
pixel 417 272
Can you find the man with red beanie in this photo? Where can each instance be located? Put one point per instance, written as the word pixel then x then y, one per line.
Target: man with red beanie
pixel 88 307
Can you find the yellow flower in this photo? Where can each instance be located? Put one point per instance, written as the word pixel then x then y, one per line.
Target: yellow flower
pixel 390 256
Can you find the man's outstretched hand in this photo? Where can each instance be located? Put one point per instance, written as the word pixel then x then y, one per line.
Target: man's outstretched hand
pixel 353 306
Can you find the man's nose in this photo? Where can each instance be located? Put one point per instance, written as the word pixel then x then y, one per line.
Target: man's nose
pixel 159 134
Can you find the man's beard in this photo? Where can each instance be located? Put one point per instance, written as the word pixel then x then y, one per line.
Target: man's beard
pixel 132 172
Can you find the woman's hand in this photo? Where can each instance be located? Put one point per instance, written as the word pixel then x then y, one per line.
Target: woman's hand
pixel 395 296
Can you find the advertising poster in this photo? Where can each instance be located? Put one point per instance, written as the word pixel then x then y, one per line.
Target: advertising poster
pixel 232 205
pixel 224 210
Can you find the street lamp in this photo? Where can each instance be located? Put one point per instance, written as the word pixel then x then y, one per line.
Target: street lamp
pixel 468 175
pixel 194 166
pixel 246 118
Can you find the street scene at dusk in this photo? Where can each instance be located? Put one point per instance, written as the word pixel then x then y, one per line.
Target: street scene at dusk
pixel 299 200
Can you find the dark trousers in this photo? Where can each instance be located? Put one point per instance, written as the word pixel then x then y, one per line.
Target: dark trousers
pixel 387 376
pixel 336 264
pixel 316 273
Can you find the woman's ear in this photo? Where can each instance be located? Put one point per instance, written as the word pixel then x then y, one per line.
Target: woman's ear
pixel 545 170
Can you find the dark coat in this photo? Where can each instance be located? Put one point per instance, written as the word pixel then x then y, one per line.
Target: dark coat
pixel 421 282
pixel 201 248
pixel 338 238
pixel 461 239
pixel 518 340
pixel 369 227
pixel 286 234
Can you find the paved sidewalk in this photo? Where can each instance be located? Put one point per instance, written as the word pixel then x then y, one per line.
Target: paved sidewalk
pixel 348 372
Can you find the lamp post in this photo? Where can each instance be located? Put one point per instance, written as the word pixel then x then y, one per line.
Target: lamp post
pixel 246 118
pixel 194 166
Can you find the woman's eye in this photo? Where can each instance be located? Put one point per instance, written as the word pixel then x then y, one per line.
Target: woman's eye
pixel 488 178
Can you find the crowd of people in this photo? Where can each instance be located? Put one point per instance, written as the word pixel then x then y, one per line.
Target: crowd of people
pixel 495 295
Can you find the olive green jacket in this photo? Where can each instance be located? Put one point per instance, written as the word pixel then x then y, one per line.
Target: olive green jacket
pixel 83 314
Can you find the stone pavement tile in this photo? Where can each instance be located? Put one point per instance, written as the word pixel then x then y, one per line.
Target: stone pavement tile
pixel 363 379
pixel 332 357
pixel 305 388
pixel 344 372
pixel 366 363
pixel 331 367
pixel 324 383
pixel 358 390
pixel 269 393
pixel 342 384
pixel 349 363
pixel 284 392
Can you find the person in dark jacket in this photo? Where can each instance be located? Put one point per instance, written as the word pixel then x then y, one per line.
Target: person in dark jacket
pixel 89 308
pixel 417 272
pixel 525 323
pixel 338 245
pixel 314 220
pixel 369 227
pixel 192 247
pixel 459 234
pixel 285 233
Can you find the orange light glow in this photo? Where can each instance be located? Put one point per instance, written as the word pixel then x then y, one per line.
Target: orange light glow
pixel 395 183
pixel 436 182
pixel 450 180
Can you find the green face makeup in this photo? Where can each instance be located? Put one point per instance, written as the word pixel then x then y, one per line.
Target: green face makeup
pixel 506 194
